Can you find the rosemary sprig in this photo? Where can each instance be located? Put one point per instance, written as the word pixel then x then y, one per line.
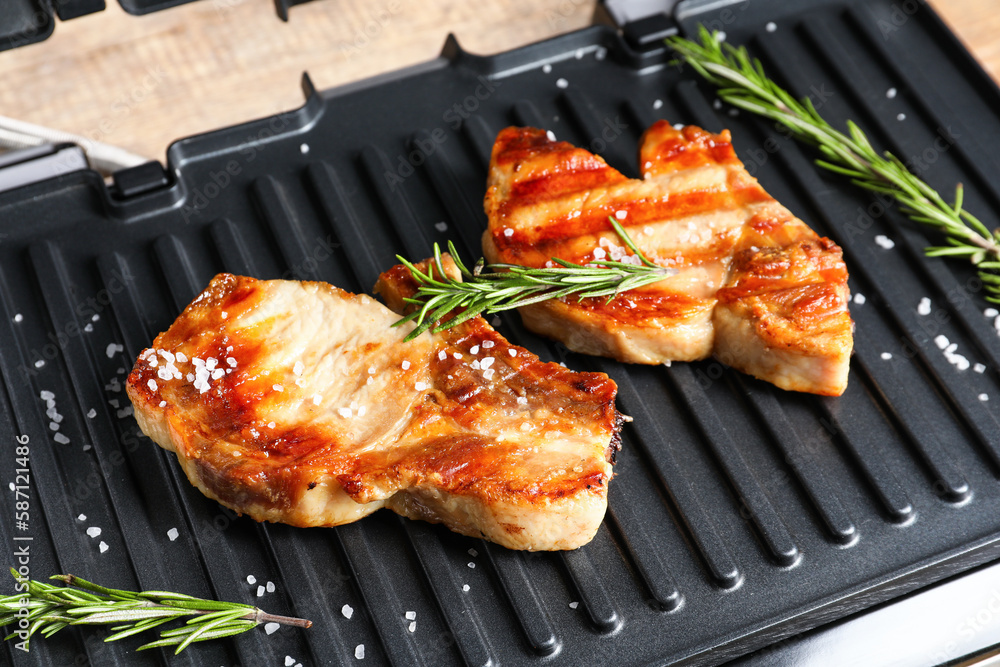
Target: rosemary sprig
pixel 51 608
pixel 496 287
pixel 744 84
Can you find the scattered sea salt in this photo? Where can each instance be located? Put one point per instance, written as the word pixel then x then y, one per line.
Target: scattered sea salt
pixel 348 611
pixel 412 627
pixel 991 312
pixel 901 116
pixel 474 349
pixel 277 387
pixel 419 386
pixel 112 349
pixel 621 215
pixel 317 399
pixel 465 588
pixel 19 317
pixel 359 652
pixel 550 135
pixel 173 533
pixel 885 242
pixel 270 587
pixel 94 531
pixel 488 373
pixel 251 579
pixel 260 591
pixel 771 26
pixel 344 412
pixel 163 404
pixel 473 553
pixel 39 363
pixel 472 566
pixel 546 68
pixel 657 104
pixel 82 517
pixel 270 424
pixel 891 93
pixel 410 615
pixel 522 400
pixel 508 232
pixel 574 605
pixel 405 364
pixel 289 661
pixel 299 368
pixel 441 226
pixel 984 397
pixel 562 83
pixel 102 546
pixel 151 384
pixel 53 426
pixel 979 368
pixel 941 341
pixel 271 628
pixel 61 439
pixel 924 307
pixel 442 355
pixel 887 356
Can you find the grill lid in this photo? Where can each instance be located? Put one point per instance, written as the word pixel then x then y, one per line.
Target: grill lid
pixel 740 514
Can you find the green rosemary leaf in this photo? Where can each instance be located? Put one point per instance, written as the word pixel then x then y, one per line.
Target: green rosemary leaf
pixel 743 83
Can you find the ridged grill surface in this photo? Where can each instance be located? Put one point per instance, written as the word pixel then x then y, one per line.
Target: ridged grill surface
pixel 740 514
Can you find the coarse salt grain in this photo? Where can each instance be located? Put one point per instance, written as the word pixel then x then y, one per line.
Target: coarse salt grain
pixel 473 553
pixel 251 579
pixel 442 355
pixel 163 404
pixel 441 226
pixel 891 93
pixel 299 368
pixel 512 352
pixel 270 424
pixel 410 615
pixel 172 534
pixel 621 215
pixel 984 397
pixel 270 587
pixel 224 314
pixel 151 384
pixel 61 439
pixel 771 26
pixel 901 116
pixel 359 652
pixel 93 531
pixel 112 349
pixel 562 83
pixel 317 399
pixel 420 386
pixel 924 307
pixel 412 627
pixel 82 517
pixel 522 400
pixel 348 611
pixel 574 605
pixel 361 411
pixel 39 363
pixel 657 104
pixel 465 587
pixel 271 628
pixel 508 232
pixel 474 349
pixel 457 355
pixel 486 363
pixel 289 661
pixel 46 395
pixel 887 356
pixel 487 344
pixel 19 317
pixel 472 566
pixel 546 68
pixel 103 546
pixel 277 387
pixel 941 341
pixel 405 365
pixel 344 412
pixel 979 368
pixel 550 135
pixel 884 242
pixel 488 373
pixel 260 591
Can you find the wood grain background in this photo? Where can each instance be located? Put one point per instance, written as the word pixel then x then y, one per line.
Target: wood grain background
pixel 142 82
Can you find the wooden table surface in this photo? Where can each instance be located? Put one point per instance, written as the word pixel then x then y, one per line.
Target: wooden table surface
pixel 142 82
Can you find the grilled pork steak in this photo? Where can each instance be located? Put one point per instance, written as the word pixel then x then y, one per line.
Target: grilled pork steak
pixel 755 286
pixel 297 402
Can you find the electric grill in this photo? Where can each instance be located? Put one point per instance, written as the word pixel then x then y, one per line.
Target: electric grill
pixel 740 515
